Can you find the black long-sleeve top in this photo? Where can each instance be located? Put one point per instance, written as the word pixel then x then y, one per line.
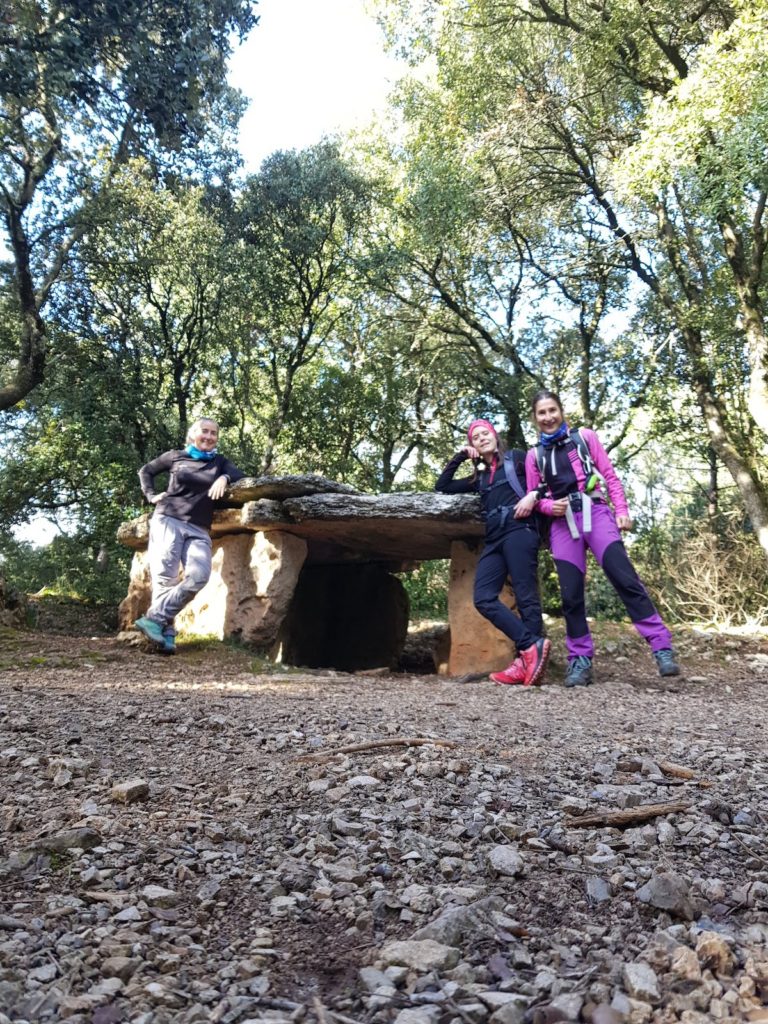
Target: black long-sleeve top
pixel 496 495
pixel 186 496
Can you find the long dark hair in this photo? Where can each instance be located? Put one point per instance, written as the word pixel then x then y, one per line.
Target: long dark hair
pixel 499 454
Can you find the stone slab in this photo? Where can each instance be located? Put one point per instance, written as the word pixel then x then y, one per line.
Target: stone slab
pixel 251 488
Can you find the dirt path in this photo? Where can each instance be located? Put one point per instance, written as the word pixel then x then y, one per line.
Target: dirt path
pixel 246 882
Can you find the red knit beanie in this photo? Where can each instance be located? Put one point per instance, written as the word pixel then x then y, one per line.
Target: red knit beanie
pixel 481 423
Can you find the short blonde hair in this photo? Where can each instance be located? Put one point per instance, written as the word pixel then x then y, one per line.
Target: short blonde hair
pixel 198 423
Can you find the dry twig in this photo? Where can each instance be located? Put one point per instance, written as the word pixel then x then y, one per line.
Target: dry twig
pixel 319 1011
pixel 677 771
pixel 627 816
pixel 354 748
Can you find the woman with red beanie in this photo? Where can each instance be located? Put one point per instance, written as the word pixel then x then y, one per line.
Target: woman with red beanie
pixel 511 548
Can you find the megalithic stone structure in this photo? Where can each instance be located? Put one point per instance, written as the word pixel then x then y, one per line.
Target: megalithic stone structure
pixel 304 569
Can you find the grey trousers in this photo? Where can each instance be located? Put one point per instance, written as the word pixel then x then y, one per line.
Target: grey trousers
pixel 176 546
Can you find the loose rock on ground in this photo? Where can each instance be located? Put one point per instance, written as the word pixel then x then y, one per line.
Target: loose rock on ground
pixel 181 844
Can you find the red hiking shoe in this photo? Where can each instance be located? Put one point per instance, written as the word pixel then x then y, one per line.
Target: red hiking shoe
pixel 513 675
pixel 534 661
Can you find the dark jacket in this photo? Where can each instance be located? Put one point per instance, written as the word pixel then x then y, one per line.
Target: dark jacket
pixel 186 495
pixel 498 498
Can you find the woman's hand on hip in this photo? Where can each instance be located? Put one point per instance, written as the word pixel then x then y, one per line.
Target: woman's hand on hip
pixel 218 487
pixel 157 497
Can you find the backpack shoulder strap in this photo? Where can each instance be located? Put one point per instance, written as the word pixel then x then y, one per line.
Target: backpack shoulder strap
pixel 511 473
pixel 540 460
pixel 583 450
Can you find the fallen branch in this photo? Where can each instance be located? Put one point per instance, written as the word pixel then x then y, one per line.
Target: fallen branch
pixel 628 816
pixel 750 851
pixel 354 748
pixel 319 1011
pixel 278 1004
pixel 677 771
pixel 340 1016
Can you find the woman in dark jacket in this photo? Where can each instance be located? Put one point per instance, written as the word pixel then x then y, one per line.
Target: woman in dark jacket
pixel 511 548
pixel 179 537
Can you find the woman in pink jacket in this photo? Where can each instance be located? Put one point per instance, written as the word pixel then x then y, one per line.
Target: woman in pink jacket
pixel 572 471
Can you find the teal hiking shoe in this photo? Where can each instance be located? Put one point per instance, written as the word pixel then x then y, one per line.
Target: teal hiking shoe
pixel 169 643
pixel 579 671
pixel 153 631
pixel 665 660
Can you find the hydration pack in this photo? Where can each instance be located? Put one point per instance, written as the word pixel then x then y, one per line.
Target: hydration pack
pixel 591 475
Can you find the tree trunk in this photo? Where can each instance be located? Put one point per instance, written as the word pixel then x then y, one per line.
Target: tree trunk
pixel 713 493
pixel 738 463
pixel 30 369
pixel 30 366
pixel 747 270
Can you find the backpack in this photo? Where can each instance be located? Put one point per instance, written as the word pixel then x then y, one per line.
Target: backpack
pixel 591 475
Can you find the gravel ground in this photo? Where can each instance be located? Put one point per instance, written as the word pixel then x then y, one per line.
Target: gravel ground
pixel 180 843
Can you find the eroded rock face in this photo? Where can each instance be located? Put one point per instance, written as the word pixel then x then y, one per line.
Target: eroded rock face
pixel 139 596
pixel 280 487
pixel 252 582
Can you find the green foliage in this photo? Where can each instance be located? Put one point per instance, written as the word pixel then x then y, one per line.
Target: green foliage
pixel 70 566
pixel 549 586
pixel 707 569
pixel 704 132
pixel 427 588
pixel 83 87
pixel 299 219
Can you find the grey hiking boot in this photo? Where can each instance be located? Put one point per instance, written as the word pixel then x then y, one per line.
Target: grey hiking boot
pixel 579 671
pixel 666 663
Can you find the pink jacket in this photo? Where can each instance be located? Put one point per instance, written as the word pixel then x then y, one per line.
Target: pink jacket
pixel 602 464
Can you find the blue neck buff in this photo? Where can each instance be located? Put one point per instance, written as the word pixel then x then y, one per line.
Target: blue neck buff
pixel 561 434
pixel 195 453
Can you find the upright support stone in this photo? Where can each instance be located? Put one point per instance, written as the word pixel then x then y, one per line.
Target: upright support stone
pixel 476 645
pixel 139 596
pixel 252 582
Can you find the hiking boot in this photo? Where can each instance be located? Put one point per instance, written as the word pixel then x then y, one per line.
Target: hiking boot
pixel 579 671
pixel 534 661
pixel 153 631
pixel 512 675
pixel 169 643
pixel 666 663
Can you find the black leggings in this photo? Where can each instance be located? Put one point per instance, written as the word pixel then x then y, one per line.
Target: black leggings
pixel 517 557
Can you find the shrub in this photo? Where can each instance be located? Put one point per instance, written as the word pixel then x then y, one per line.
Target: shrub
pixel 427 588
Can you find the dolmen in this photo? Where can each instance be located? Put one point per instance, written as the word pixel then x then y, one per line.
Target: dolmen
pixel 307 571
